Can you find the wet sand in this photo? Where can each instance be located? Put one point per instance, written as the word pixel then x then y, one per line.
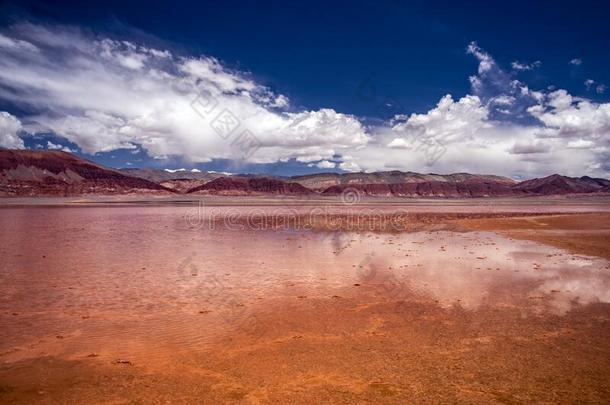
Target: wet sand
pixel 585 233
pixel 138 304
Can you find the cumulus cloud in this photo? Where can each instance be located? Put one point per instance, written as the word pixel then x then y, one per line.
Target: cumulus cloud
pixel 400 143
pixel 104 94
pixel 503 127
pixel 505 97
pixel 566 116
pixel 576 123
pixel 349 164
pixel 576 61
pixel 55 146
pixel 449 121
pixel 326 164
pixel 9 128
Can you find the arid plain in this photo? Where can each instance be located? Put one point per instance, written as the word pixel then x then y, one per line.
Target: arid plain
pixel 269 300
pixel 364 202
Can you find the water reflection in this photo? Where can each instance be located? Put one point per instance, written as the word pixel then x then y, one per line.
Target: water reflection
pixel 140 275
pixel 476 269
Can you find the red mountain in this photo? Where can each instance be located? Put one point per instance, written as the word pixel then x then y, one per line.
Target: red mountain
pixel 33 173
pixel 427 189
pixel 250 186
pixel 479 187
pixel 322 181
pixel 557 184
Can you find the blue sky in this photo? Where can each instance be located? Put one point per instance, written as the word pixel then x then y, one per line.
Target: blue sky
pixel 362 84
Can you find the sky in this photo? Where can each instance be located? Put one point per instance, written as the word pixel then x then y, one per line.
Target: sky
pixel 514 89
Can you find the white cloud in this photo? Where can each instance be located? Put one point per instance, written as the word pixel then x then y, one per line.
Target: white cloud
pixel 565 116
pixel 564 134
pixel 449 121
pixel 486 62
pixel 400 143
pixel 280 101
pixel 10 44
pixel 523 66
pixel 505 97
pixel 576 61
pixel 503 100
pixel 580 144
pixel 104 94
pixel 9 128
pixel 325 164
pixel 349 165
pixel 599 89
pixel 560 100
pixel 54 146
pixel 529 147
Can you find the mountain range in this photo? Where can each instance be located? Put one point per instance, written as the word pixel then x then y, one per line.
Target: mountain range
pixel 56 173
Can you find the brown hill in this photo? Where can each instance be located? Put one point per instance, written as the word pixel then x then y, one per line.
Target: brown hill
pixel 475 186
pixel 427 189
pixel 250 186
pixel 322 181
pixel 182 185
pixel 33 173
pixel 558 184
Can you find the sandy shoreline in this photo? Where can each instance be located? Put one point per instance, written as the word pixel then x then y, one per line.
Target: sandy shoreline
pixel 598 202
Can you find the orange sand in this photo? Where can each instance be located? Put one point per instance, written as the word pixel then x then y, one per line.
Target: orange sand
pixel 135 304
pixel 587 234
